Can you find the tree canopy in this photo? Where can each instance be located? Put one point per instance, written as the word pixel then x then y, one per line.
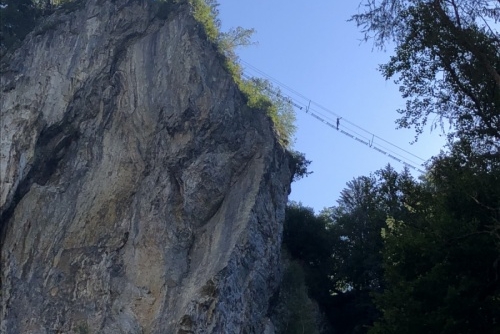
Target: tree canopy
pixel 441 260
pixel 447 61
pixel 341 248
pixel 399 255
pixel 422 256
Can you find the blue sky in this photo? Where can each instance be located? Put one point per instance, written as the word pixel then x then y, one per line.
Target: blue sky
pixel 310 47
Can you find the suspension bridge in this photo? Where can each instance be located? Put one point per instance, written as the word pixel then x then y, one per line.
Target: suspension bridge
pixel 337 122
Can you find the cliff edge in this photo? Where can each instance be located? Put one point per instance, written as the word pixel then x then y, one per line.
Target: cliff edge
pixel 139 193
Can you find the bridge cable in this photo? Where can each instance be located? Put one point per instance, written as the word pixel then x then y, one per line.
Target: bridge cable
pixel 305 103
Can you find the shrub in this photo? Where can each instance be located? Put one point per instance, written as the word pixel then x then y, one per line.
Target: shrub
pixel 260 94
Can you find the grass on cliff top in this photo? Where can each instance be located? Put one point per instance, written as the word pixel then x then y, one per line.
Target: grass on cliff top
pixel 260 94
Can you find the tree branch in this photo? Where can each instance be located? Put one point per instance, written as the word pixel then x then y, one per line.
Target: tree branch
pixel 457 16
pixel 463 39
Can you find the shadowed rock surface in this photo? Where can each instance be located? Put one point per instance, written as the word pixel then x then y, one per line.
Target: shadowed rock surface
pixel 139 193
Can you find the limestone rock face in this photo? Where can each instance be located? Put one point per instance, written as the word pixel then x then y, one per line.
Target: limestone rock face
pixel 139 193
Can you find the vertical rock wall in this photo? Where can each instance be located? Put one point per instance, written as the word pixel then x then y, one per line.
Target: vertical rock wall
pixel 139 193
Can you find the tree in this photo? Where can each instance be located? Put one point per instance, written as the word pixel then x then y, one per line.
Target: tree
pixel 340 250
pixel 306 236
pixel 308 242
pixel 235 37
pixel 300 165
pixel 447 61
pixel 357 262
pixel 441 260
pixel 441 257
pixel 356 224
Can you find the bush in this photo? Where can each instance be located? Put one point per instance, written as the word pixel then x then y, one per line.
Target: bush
pixel 260 94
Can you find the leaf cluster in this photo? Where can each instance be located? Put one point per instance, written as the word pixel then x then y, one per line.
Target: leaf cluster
pixel 441 260
pixel 260 94
pixel 447 62
pixel 427 252
pixel 341 248
pixel 300 165
pixel 434 267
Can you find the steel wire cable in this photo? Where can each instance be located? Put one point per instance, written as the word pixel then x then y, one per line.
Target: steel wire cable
pixel 304 104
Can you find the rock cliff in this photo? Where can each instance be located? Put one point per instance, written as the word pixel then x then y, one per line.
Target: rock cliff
pixel 139 193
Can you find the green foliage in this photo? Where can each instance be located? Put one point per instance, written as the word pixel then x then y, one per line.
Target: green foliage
pixel 300 165
pixel 428 251
pixel 357 221
pixel 361 213
pixel 441 260
pixel 357 264
pixel 441 257
pixel 306 238
pixel 296 310
pixel 235 37
pixel 262 95
pixel 447 61
pixel 434 265
pixel 204 13
pixel 259 93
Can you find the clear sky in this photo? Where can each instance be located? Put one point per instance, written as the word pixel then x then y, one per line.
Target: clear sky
pixel 310 47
